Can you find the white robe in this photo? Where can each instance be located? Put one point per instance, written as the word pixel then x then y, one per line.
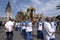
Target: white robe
pixel 40 26
pixel 47 32
pixel 54 28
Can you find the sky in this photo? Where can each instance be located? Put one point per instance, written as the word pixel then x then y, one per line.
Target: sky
pixel 47 7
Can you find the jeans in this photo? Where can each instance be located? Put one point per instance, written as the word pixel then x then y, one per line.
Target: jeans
pixel 53 39
pixel 23 32
pixel 28 35
pixel 16 28
pixel 19 28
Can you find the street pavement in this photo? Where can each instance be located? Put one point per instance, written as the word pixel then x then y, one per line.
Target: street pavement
pixel 18 36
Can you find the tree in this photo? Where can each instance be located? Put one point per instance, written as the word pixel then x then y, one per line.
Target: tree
pixel 24 16
pixel 58 7
pixel 58 17
pixel 58 23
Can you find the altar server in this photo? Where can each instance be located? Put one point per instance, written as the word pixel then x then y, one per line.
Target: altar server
pixel 53 24
pixel 23 26
pixel 39 29
pixel 48 30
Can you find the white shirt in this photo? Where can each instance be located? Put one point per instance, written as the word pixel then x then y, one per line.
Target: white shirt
pixel 9 26
pixel 13 22
pixel 23 25
pixel 39 26
pixel 18 24
pixel 29 27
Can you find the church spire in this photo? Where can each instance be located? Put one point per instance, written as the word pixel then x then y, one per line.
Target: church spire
pixel 8 5
pixel 8 10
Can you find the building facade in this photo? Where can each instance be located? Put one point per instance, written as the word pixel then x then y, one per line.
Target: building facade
pixel 19 15
pixel 8 11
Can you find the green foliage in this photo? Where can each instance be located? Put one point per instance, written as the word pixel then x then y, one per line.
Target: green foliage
pixel 58 17
pixel 58 7
pixel 24 16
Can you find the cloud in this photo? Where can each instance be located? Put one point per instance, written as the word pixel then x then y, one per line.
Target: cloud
pixel 14 1
pixel 36 1
pixel 48 8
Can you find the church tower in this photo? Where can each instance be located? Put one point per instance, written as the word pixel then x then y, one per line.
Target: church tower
pixel 8 11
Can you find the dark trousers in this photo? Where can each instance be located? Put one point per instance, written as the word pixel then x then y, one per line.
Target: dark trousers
pixel 16 28
pixel 39 34
pixel 9 35
pixel 53 39
pixel 0 27
pixel 23 32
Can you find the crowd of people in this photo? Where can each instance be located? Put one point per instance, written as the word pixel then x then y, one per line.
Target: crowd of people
pixel 45 29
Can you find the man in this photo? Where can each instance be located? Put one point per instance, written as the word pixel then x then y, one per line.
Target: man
pixel 53 24
pixel 23 28
pixel 0 25
pixel 48 30
pixel 9 29
pixel 28 29
pixel 39 29
pixel 16 26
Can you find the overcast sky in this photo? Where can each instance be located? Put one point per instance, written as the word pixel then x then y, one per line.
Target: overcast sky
pixel 47 7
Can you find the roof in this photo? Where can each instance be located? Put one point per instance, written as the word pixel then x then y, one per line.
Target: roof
pixel 3 19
